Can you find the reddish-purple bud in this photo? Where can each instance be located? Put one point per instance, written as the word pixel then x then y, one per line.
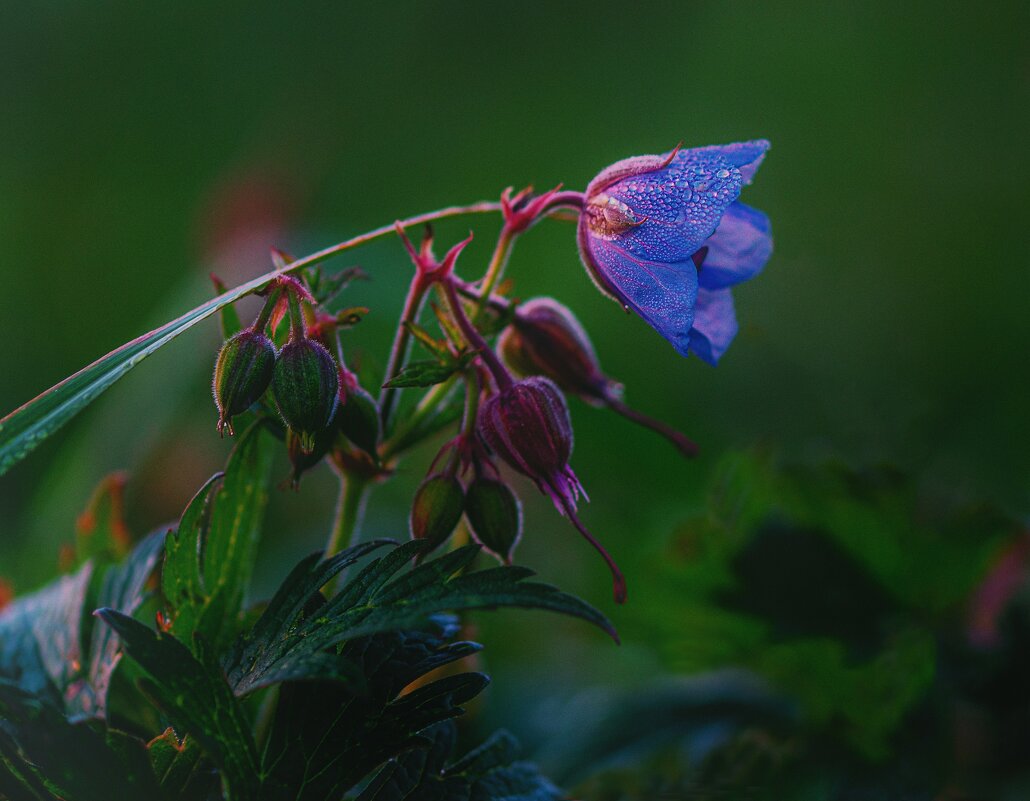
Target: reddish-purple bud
pixel 306 388
pixel 243 372
pixel 546 339
pixel 528 426
pixel 436 510
pixel 494 516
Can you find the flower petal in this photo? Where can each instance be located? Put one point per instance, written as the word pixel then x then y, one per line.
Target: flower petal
pixel 745 156
pixel 663 294
pixel 715 324
pixel 739 248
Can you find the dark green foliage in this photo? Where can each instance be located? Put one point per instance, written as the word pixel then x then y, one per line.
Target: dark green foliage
pixel 195 697
pixel 45 756
pixel 374 601
pixel 491 771
pixel 210 557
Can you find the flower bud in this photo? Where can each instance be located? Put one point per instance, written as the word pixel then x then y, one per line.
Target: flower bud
pixel 528 426
pixel 436 510
pixel 306 387
pixel 358 418
pixel 243 372
pixel 546 339
pixel 494 516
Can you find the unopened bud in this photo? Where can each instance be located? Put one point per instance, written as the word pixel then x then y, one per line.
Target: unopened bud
pixel 494 516
pixel 546 339
pixel 528 426
pixel 358 418
pixel 436 510
pixel 243 372
pixel 306 385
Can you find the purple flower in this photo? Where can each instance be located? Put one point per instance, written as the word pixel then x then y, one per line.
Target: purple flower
pixel 666 237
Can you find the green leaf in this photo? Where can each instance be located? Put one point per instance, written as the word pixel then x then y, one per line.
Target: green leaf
pixel 437 347
pixel 228 316
pixel 372 603
pixel 196 698
pixel 334 735
pixel 423 374
pixel 491 771
pixel 178 764
pixel 210 558
pixel 325 287
pixel 41 637
pixel 72 761
pixel 26 427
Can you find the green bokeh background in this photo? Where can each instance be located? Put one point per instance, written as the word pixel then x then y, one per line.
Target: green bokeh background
pixel 138 140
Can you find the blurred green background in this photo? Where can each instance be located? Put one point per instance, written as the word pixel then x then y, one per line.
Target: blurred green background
pixel 144 145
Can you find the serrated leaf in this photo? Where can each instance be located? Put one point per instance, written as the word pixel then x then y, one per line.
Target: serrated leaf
pixel 423 374
pixel 371 604
pixel 196 698
pixel 335 736
pixel 73 761
pixel 437 347
pixel 41 636
pixel 489 772
pixel 210 558
pixel 256 657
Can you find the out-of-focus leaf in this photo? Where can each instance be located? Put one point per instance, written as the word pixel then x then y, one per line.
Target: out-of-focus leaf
pixel 194 696
pixel 72 761
pixel 210 558
pixel 100 531
pixel 41 642
pixel 602 728
pixel 491 771
pixel 373 603
pixel 122 589
pixel 26 427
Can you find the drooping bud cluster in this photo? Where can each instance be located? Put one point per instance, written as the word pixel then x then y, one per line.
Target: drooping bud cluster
pixel 306 388
pixel 243 372
pixel 528 426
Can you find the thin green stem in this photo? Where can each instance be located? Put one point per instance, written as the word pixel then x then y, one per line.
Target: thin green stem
pixel 266 311
pixel 350 506
pixel 426 407
pixel 494 271
pixel 412 308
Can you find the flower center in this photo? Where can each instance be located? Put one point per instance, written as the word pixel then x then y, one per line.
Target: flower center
pixel 609 217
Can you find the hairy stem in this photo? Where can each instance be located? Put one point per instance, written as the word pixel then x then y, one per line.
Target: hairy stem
pixel 475 339
pixel 494 271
